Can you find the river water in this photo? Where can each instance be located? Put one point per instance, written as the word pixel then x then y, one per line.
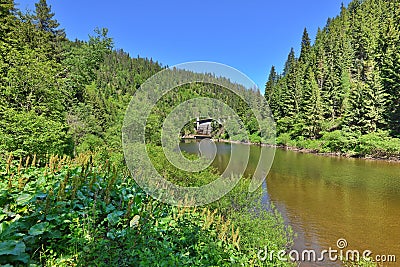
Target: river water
pixel 325 199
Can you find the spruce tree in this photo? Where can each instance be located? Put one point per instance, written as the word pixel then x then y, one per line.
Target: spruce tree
pixel 367 101
pixel 311 112
pixel 290 62
pixel 271 83
pixel 289 92
pixel 305 46
pixel 7 18
pixel 389 62
pixel 44 19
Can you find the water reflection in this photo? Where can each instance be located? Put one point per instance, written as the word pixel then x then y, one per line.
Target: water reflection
pixel 327 198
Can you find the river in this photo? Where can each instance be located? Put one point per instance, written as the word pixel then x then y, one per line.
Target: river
pixel 325 199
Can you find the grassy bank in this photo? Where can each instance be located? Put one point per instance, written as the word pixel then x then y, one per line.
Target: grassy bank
pixel 377 145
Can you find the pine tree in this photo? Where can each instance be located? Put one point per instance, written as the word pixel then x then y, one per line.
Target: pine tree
pixel 272 93
pixel 349 79
pixel 345 84
pixel 320 62
pixel 7 18
pixel 389 62
pixel 367 101
pixel 289 96
pixel 8 43
pixel 271 83
pixel 311 112
pixel 305 46
pixel 290 62
pixel 44 19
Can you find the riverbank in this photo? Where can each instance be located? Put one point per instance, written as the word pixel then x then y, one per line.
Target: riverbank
pixel 377 157
pixel 336 154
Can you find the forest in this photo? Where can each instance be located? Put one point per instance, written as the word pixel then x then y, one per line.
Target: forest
pixel 66 196
pixel 341 94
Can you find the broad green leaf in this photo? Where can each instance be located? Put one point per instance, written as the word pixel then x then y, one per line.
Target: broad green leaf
pixel 51 217
pixel 12 247
pixel 114 217
pixel 41 196
pixel 23 257
pixel 23 199
pixel 109 208
pixel 38 229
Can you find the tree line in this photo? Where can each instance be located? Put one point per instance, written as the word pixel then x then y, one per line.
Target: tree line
pixel 59 96
pixel 346 84
pixel 65 97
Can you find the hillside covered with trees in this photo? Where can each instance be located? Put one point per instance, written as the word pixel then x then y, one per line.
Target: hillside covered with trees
pixel 60 96
pixel 342 94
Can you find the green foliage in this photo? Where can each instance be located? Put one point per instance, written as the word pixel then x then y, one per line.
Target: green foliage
pixel 32 95
pixel 339 141
pixel 6 19
pixel 58 96
pixel 254 138
pixel 271 85
pixel 348 79
pixel 27 133
pixel 44 18
pixel 83 60
pixel 283 139
pixel 80 212
pixel 378 144
pixel 192 91
pixel 313 145
pixel 61 97
pixel 90 142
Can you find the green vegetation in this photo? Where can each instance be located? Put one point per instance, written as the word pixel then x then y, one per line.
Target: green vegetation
pixel 377 144
pixel 68 99
pixel 81 207
pixel 342 93
pixel 78 212
pixel 58 96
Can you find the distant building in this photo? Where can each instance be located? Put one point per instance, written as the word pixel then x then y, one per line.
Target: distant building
pixel 203 126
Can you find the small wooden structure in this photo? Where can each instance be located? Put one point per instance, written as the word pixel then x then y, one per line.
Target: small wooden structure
pixel 203 127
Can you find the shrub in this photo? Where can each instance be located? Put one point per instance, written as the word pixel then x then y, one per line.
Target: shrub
pixel 91 143
pixel 283 139
pixel 29 133
pixel 378 144
pixel 314 145
pixel 339 141
pixel 255 138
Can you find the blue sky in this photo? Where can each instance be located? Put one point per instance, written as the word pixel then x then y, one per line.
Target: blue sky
pixel 250 36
